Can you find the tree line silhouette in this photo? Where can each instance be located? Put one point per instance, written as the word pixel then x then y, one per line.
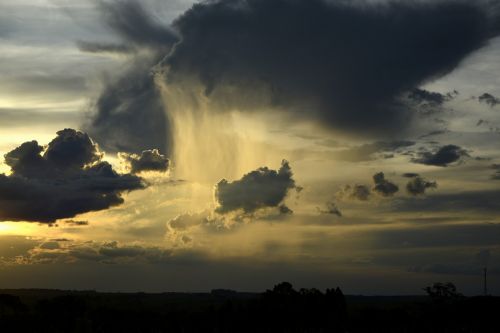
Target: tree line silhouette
pixel 281 309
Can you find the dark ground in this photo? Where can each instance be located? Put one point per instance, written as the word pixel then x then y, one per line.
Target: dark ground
pixel 282 309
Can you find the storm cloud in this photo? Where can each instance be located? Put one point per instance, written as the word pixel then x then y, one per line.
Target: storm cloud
pixel 344 63
pixel 66 178
pixel 129 115
pixel 258 189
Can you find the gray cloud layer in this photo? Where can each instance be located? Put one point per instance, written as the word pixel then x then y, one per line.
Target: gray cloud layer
pixel 63 180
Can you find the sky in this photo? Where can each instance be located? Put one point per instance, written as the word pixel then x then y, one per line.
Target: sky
pixel 177 145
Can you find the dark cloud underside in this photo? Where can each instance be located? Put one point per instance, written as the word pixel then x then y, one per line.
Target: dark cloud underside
pixel 345 63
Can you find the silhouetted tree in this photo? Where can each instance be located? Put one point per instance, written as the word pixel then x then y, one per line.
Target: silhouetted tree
pixel 443 291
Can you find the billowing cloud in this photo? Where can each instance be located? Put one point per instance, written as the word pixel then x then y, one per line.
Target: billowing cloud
pixel 383 186
pixel 442 157
pixel 318 57
pixel 149 160
pixel 489 99
pixel 258 189
pixel 66 178
pixel 129 114
pixel 418 185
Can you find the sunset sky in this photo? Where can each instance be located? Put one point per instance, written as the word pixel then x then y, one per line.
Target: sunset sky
pixel 176 145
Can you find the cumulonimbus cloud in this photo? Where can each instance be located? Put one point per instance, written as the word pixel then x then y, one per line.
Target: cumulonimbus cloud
pixel 66 178
pixel 348 64
pixel 344 63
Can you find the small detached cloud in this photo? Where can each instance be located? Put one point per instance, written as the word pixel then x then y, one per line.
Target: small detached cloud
pixel 488 99
pixel 418 185
pixel 384 187
pixel 261 188
pixel 61 180
pixel 149 160
pixel 354 192
pixel 443 157
pixel 331 209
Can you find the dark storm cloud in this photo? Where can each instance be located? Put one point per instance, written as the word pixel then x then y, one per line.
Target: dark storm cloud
pixel 418 185
pixel 129 114
pixel 344 63
pixel 149 160
pixel 489 99
pixel 368 151
pixel 442 157
pixel 383 186
pixel 258 189
pixel 62 180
